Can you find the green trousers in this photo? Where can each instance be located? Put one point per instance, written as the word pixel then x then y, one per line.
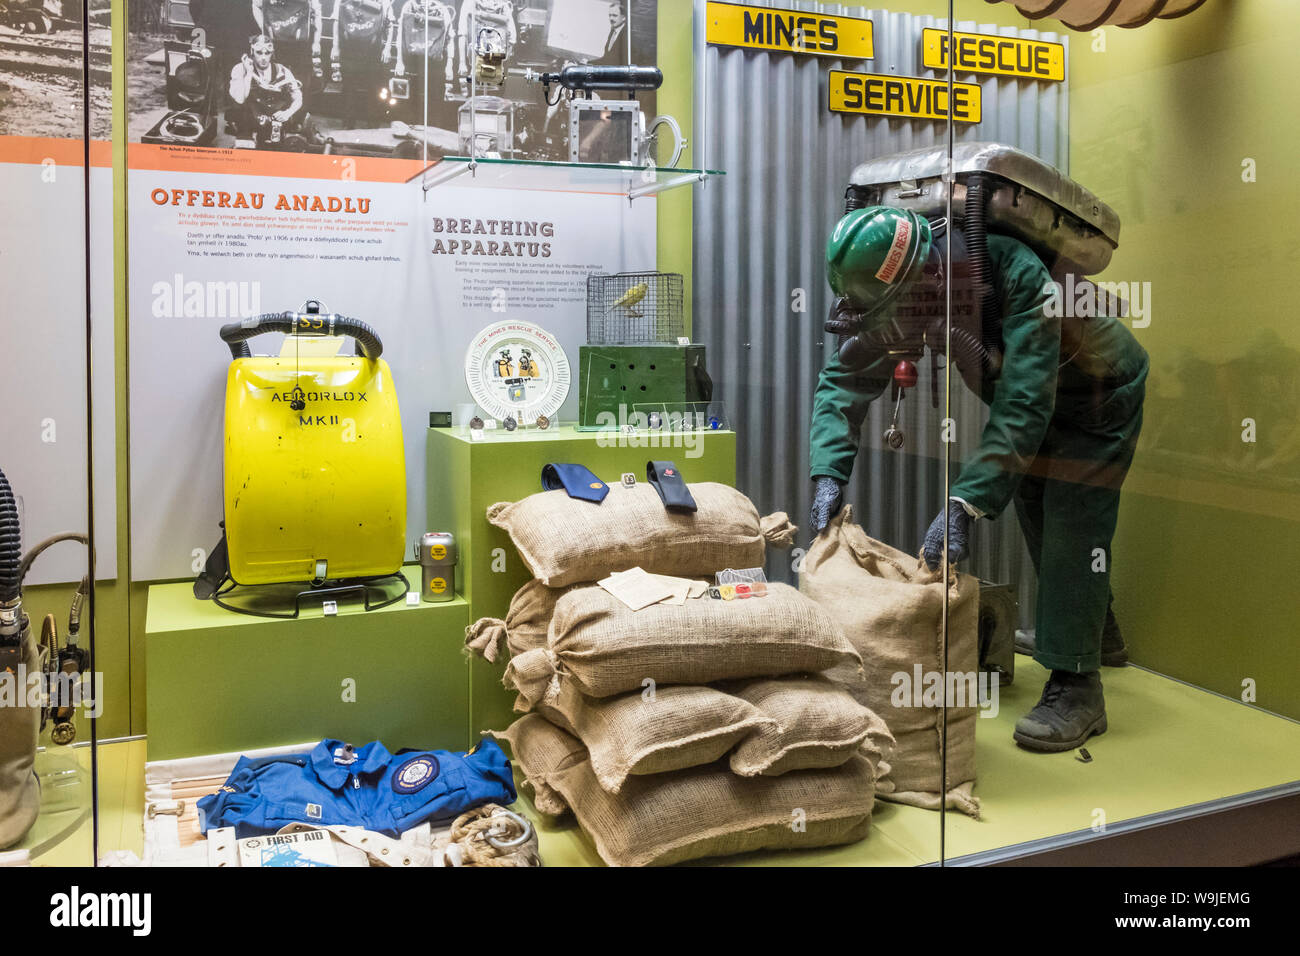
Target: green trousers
pixel 1067 504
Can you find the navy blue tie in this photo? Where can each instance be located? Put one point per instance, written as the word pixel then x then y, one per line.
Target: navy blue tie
pixel 578 481
pixel 667 480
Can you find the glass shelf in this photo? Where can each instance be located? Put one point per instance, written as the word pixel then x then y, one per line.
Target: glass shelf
pixel 630 181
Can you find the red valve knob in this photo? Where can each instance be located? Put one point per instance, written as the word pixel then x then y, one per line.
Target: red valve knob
pixel 905 374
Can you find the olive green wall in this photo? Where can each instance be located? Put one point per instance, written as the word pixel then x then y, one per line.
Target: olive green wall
pixel 1209 541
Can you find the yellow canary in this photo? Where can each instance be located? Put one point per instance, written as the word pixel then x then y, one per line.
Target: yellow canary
pixel 630 298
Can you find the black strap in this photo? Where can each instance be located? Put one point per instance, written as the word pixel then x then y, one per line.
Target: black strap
pixel 215 571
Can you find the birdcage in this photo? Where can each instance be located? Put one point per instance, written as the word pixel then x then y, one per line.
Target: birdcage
pixel 631 308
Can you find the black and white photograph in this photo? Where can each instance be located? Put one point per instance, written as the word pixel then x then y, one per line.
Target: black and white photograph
pixel 42 73
pixel 403 78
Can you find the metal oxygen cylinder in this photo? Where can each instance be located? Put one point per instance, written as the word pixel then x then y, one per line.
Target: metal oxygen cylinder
pixel 438 556
pixel 20 795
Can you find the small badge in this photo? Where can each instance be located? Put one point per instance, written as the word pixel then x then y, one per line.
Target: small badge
pixel 715 593
pixel 728 591
pixel 314 811
pixel 415 774
pixel 543 422
pixel 510 424
pixel 595 486
pixel 629 479
pixel 476 424
pixel 656 420
pixel 744 591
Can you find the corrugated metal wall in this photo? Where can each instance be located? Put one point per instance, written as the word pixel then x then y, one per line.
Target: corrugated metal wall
pixel 760 235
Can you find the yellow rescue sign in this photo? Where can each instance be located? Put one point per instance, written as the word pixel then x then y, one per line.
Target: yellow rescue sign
pixel 1002 56
pixel 790 31
pixel 910 96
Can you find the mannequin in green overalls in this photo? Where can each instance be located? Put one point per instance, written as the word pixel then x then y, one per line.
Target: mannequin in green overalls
pixel 1065 408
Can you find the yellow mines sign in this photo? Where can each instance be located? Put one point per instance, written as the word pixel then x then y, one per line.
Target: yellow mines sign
pixel 909 96
pixel 1003 56
pixel 789 31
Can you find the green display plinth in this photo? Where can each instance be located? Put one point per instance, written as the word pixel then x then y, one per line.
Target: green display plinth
pixel 466 476
pixel 220 682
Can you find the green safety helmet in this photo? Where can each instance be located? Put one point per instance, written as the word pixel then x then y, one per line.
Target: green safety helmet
pixel 874 253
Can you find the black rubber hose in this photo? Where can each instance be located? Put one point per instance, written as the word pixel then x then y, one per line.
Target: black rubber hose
pixel 30 557
pixel 981 271
pixel 237 334
pixel 970 352
pixel 11 544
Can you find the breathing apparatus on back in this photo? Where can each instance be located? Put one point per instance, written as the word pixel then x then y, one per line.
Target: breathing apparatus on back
pixel 886 263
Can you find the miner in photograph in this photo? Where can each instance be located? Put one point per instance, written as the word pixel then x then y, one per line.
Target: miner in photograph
pixel 263 89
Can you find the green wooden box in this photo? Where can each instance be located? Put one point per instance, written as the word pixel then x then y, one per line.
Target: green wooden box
pixel 616 382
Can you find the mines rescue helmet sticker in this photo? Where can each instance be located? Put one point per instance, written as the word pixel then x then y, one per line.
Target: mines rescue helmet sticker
pixel 415 774
pixel 874 253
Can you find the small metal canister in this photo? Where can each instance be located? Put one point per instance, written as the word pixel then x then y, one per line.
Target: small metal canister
pixel 437 553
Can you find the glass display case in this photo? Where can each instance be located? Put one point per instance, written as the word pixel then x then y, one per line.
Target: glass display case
pixel 789 433
pixel 56 259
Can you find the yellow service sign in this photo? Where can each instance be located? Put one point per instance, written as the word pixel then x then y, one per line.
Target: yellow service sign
pixel 910 96
pixel 1003 56
pixel 790 31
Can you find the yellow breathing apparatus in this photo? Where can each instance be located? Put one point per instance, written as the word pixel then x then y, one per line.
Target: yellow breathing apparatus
pixel 314 484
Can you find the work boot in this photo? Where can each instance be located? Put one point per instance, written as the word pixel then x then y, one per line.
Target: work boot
pixel 1070 711
pixel 1114 653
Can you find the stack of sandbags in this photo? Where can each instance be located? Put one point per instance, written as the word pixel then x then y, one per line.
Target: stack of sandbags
pixel 564 541
pixel 699 812
pixel 679 730
pixel 890 607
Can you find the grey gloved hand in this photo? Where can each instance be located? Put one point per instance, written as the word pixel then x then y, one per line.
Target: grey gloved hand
pixel 958 534
pixel 828 496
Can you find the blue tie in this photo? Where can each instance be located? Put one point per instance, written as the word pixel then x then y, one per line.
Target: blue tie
pixel 667 480
pixel 576 480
